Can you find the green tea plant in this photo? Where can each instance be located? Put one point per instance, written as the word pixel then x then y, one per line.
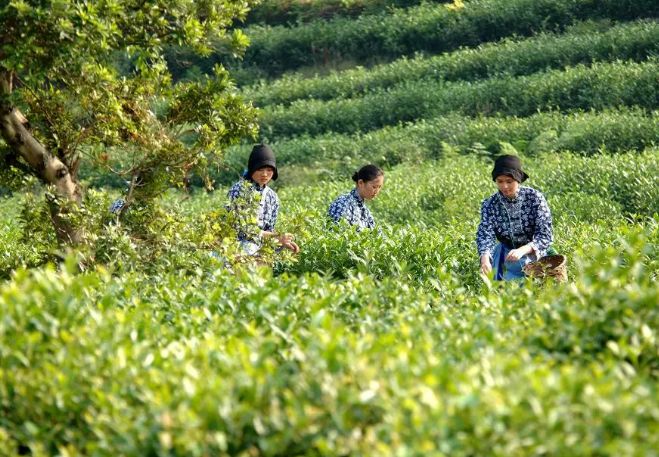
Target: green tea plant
pixel 429 27
pixel 597 87
pixel 178 238
pixel 251 363
pixel 627 41
pixel 334 156
pixel 609 324
pixel 429 220
pixel 158 336
pixel 275 12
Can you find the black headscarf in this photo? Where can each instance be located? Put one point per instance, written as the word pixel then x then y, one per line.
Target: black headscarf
pixel 261 156
pixel 511 166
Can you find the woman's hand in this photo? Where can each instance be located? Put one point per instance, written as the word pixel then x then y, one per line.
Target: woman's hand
pixel 516 254
pixel 286 240
pixel 486 265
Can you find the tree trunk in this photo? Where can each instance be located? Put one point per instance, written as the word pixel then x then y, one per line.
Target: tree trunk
pixel 41 163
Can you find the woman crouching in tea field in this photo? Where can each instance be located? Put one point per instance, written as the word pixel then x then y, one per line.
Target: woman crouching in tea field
pixel 253 190
pixel 518 217
pixel 351 206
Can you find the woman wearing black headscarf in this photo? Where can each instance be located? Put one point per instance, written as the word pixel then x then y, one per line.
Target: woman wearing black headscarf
pixel 515 226
pixel 261 169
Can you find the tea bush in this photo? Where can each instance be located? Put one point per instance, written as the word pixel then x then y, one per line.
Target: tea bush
pixel 600 86
pixel 429 221
pixel 274 12
pixel 160 337
pixel 429 27
pixel 333 156
pixel 627 41
pixel 251 364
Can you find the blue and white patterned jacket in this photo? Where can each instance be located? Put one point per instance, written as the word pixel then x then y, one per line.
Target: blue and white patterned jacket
pixel 351 207
pixel 268 208
pixel 117 205
pixel 524 219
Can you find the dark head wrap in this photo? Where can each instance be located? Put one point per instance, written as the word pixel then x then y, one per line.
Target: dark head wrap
pixel 261 156
pixel 509 165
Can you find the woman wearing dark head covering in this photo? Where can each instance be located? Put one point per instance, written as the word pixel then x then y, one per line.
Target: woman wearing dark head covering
pixel 351 206
pixel 515 226
pixel 261 169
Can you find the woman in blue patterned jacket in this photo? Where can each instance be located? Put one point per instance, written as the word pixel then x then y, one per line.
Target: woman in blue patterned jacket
pixel 515 226
pixel 351 206
pixel 261 169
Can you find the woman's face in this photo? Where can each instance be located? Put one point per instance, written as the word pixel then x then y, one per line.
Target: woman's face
pixel 368 190
pixel 507 185
pixel 263 175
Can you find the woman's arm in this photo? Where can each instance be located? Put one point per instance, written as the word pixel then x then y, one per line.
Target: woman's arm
pixel 337 209
pixel 544 235
pixel 485 236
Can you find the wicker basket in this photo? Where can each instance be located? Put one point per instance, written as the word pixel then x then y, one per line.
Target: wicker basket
pixel 551 266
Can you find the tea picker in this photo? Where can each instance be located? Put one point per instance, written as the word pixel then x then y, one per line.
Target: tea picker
pixel 351 206
pixel 516 225
pixel 253 186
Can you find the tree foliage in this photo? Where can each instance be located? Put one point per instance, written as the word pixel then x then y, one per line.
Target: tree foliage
pixel 64 99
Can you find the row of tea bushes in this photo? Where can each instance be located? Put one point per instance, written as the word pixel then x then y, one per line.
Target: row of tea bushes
pixel 596 87
pixel 587 189
pixel 182 233
pixel 250 364
pixel 336 155
pixel 282 12
pixel 627 41
pixel 429 27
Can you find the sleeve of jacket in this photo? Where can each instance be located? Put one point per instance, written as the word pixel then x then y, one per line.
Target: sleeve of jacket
pixel 337 209
pixel 543 236
pixel 485 236
pixel 272 212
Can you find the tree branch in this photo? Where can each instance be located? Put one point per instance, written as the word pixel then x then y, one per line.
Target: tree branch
pixel 50 169
pixel 6 80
